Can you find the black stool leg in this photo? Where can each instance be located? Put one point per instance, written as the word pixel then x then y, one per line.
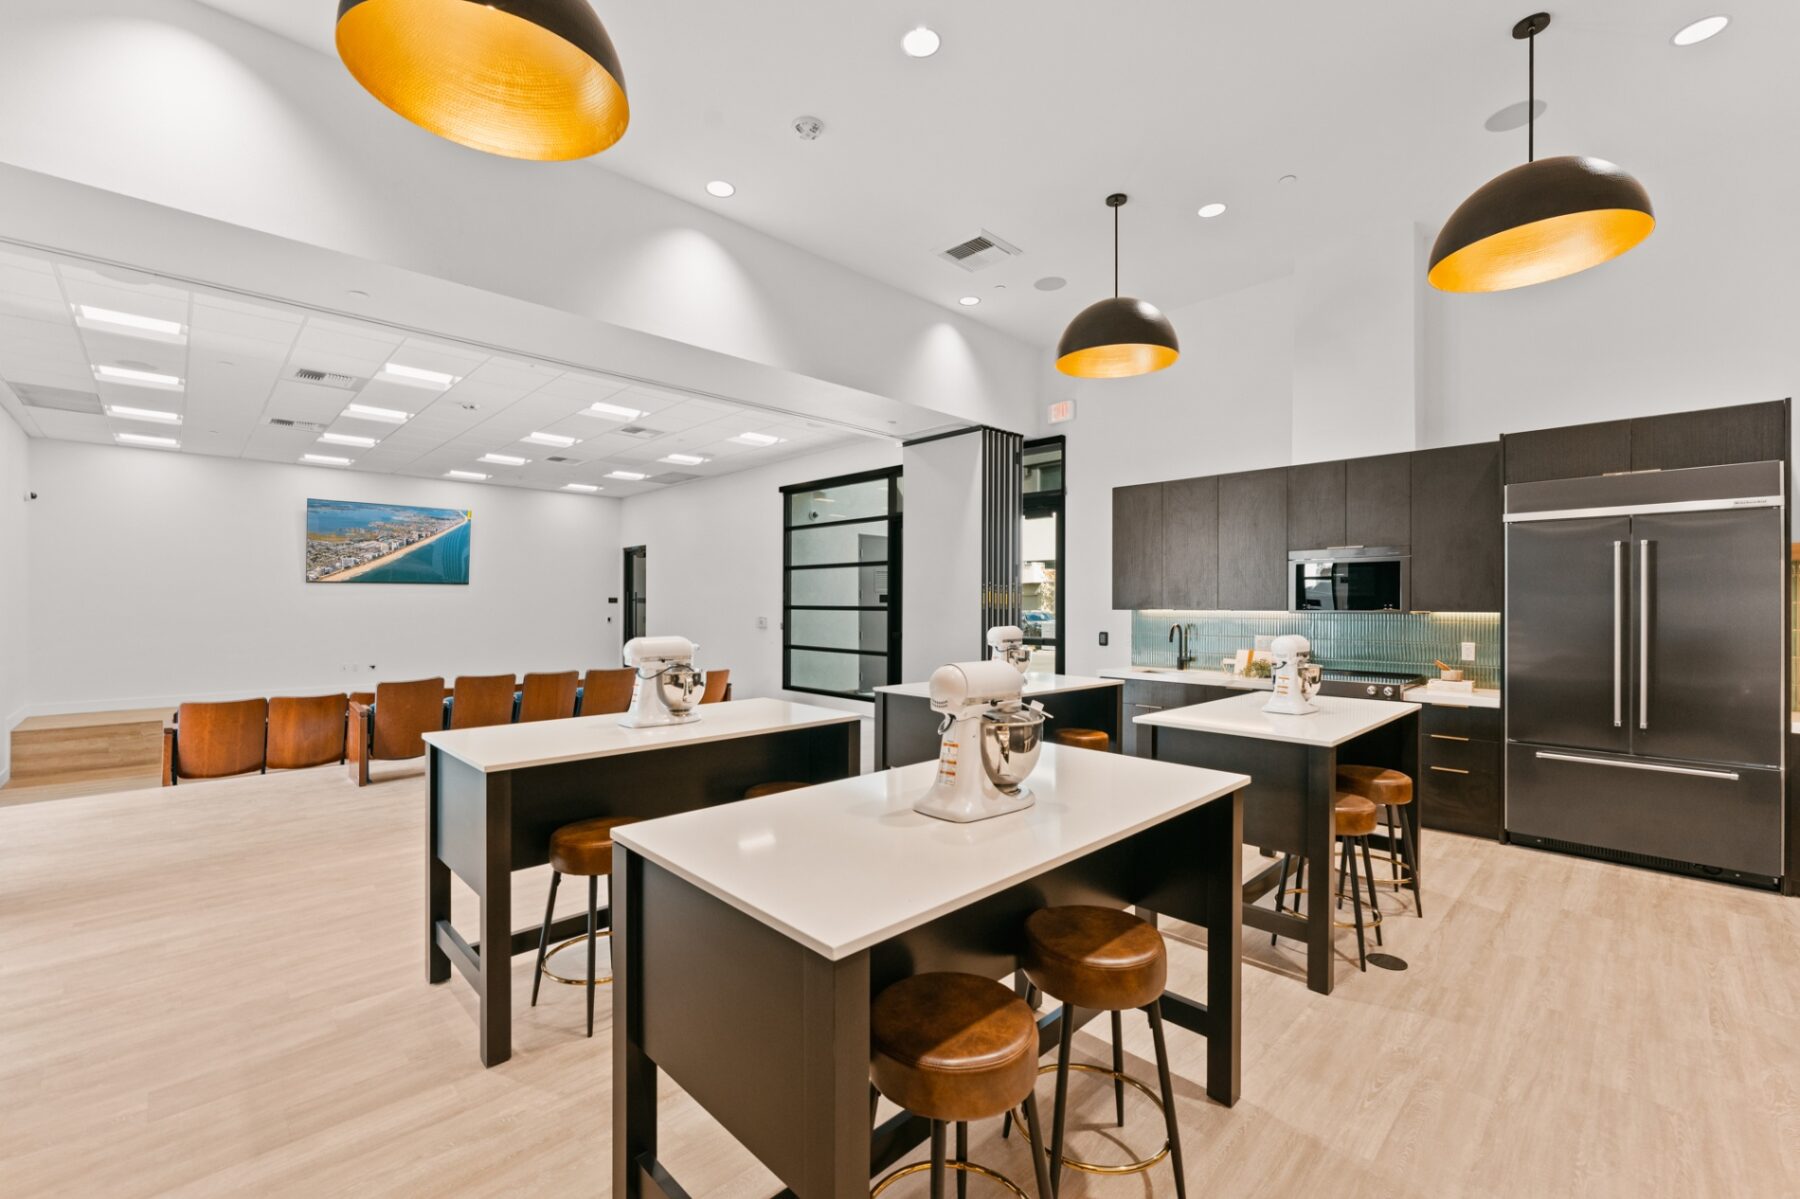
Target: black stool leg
pixel 593 939
pixel 1362 956
pixel 1067 1021
pixel 962 1155
pixel 1168 1098
pixel 544 935
pixel 1118 1031
pixel 1281 891
pixel 937 1159
pixel 1369 878
pixel 1040 1158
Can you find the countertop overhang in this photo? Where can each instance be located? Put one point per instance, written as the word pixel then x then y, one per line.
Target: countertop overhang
pixel 1035 684
pixel 1339 719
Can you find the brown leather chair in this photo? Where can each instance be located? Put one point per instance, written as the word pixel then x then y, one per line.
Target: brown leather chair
pixel 718 687
pixel 482 700
pixel 607 691
pixel 306 732
pixel 390 730
pixel 548 696
pixel 217 740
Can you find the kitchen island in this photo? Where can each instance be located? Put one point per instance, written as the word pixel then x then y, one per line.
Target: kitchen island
pixel 1288 807
pixel 750 940
pixel 906 729
pixel 498 793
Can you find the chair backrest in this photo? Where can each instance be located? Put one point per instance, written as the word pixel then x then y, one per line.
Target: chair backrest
pixel 403 712
pixel 607 691
pixel 548 696
pixel 716 683
pixel 306 732
pixel 213 741
pixel 481 700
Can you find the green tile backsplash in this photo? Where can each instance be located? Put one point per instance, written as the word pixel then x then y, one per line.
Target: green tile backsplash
pixel 1366 640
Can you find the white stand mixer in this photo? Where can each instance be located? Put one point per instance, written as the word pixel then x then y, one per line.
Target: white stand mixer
pixel 1007 642
pixel 1296 679
pixel 668 686
pixel 991 741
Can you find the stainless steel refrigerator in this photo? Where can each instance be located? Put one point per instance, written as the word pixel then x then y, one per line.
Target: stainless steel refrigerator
pixel 1646 696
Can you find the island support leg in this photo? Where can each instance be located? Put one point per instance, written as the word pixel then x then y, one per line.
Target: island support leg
pixel 437 879
pixel 634 1074
pixel 1320 825
pixel 496 924
pixel 835 1068
pixel 1224 839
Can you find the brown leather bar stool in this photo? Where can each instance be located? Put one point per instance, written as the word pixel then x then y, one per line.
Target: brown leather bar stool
pixel 1105 960
pixel 583 849
pixel 762 789
pixel 954 1048
pixel 1083 739
pixel 1390 790
pixel 1355 820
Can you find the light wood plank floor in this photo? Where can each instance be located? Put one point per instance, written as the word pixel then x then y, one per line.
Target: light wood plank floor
pixel 218 990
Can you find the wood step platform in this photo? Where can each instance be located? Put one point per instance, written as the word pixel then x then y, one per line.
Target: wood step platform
pixel 90 747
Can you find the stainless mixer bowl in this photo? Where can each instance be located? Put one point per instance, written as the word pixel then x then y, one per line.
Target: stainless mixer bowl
pixel 680 688
pixel 1010 744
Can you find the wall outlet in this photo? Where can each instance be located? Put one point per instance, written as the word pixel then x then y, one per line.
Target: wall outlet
pixel 762 622
pixel 1468 651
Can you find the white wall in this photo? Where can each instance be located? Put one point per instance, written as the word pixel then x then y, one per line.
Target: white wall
pixel 941 619
pixel 157 577
pixel 714 553
pixel 15 574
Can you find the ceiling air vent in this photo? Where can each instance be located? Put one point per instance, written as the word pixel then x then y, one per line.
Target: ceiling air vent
pixel 980 252
pixel 308 426
pixel 61 399
pixel 639 431
pixel 307 374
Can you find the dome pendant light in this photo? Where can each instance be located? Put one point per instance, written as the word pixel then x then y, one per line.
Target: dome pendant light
pixel 535 79
pixel 1120 337
pixel 1547 219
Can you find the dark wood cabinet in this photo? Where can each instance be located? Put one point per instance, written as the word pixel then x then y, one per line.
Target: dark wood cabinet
pixel 1460 770
pixel 1137 549
pixel 1148 695
pixel 1458 546
pixel 1253 540
pixel 1714 437
pixel 1576 452
pixel 1191 544
pixel 1315 506
pixel 1378 500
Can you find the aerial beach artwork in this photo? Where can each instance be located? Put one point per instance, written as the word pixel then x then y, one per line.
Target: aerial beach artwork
pixel 349 542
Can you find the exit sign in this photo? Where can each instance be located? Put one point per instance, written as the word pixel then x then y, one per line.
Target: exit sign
pixel 1062 412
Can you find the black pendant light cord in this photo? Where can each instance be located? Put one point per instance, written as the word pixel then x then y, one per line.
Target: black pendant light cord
pixel 1531 98
pixel 1115 251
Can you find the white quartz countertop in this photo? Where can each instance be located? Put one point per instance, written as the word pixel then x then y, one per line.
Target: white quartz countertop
pixel 1035 684
pixel 1203 678
pixel 1481 697
pixel 1338 719
pixel 842 866
pixel 546 742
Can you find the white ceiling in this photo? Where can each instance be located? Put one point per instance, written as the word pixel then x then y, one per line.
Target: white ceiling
pixel 1034 110
pixel 236 359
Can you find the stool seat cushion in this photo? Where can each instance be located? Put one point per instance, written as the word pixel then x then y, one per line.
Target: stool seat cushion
pixel 1083 738
pixel 952 1046
pixel 585 847
pixel 762 789
pixel 1376 783
pixel 1355 815
pixel 1094 957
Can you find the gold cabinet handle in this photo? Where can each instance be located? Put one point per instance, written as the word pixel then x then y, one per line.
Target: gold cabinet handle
pixel 1446 737
pixel 1449 770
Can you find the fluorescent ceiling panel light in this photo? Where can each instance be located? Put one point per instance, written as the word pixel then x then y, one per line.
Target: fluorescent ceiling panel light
pixel 589 487
pixel 472 476
pixel 347 439
pixel 130 322
pixel 137 378
pixel 551 439
pixel 613 411
pixel 161 443
pixel 324 460
pixel 685 459
pixel 1209 211
pixel 504 460
pixel 720 189
pixel 414 376
pixel 1700 30
pixel 155 414
pixel 922 42
pixel 387 416
pixel 629 476
pixel 757 439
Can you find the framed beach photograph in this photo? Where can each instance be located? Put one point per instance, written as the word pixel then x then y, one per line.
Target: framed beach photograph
pixel 350 542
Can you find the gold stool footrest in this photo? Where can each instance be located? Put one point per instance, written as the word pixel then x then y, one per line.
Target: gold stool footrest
pixel 1370 918
pixel 1392 862
pixel 553 976
pixel 1137 1167
pixel 966 1167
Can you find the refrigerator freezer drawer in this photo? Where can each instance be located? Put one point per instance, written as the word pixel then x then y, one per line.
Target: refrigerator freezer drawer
pixel 1727 817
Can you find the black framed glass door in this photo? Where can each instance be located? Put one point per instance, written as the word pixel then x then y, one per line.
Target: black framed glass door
pixel 841 584
pixel 1041 553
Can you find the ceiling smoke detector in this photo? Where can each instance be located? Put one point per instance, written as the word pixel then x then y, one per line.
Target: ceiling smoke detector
pixel 980 252
pixel 809 128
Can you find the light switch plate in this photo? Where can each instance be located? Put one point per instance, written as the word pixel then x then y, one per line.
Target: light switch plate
pixel 762 622
pixel 1468 651
pixel 1103 637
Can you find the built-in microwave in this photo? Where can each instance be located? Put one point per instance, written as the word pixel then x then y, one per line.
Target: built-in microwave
pixel 1349 578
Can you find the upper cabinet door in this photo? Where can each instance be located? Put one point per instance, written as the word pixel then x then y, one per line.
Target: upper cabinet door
pixel 1191 543
pixel 1715 437
pixel 1138 547
pixel 1253 541
pixel 1458 548
pixel 1315 506
pixel 1378 500
pixel 1577 452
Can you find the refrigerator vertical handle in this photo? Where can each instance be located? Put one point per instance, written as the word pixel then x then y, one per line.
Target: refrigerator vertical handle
pixel 1644 635
pixel 1618 634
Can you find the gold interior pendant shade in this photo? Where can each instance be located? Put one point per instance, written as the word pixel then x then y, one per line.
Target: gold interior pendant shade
pixel 534 79
pixel 1545 220
pixel 1117 337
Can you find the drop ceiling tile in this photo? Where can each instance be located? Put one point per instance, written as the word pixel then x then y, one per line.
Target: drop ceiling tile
pixel 56 423
pixel 235 319
pixel 584 389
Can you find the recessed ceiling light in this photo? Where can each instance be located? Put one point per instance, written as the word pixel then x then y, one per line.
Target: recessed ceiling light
pixel 1700 30
pixel 553 439
pixel 155 414
pixel 760 439
pixel 922 42
pixel 324 460
pixel 685 459
pixel 472 476
pixel 414 376
pixel 588 487
pixel 630 476
pixel 969 301
pixel 720 188
pixel 129 322
pixel 387 416
pixel 137 378
pixel 504 460
pixel 161 443
pixel 1288 179
pixel 614 411
pixel 347 439
pixel 1209 211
